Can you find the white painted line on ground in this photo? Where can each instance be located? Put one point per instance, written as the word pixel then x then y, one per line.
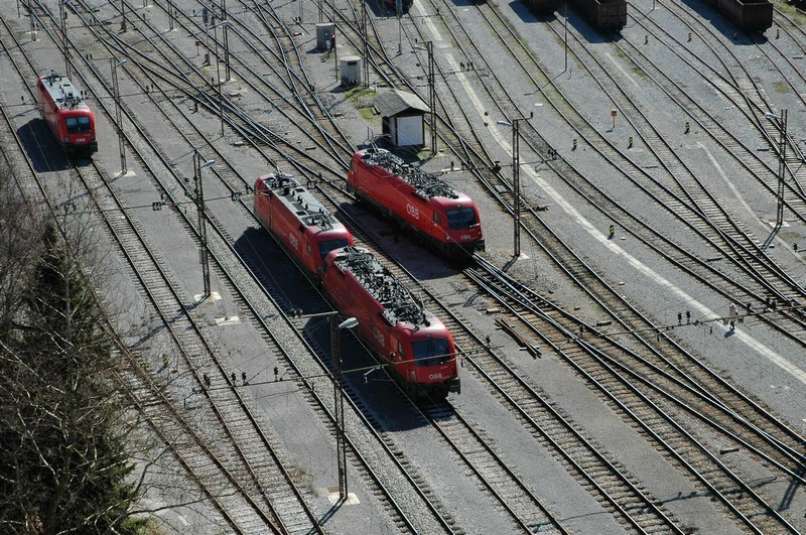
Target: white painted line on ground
pixel 214 296
pixel 746 206
pixel 352 499
pixel 704 311
pixel 620 68
pixel 227 320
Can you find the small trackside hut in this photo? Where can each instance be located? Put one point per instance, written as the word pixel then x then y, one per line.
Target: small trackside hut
pixel 402 117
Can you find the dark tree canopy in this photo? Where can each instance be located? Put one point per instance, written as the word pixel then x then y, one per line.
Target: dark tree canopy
pixel 64 465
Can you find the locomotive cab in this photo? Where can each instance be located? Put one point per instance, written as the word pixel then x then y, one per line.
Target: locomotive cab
pixel 459 220
pixel 66 114
pixel 330 241
pixel 428 359
pixel 446 219
pixel 77 128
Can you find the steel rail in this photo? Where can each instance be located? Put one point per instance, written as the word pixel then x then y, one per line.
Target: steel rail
pixel 687 263
pixel 715 375
pixel 334 145
pixel 746 253
pixel 607 347
pixel 799 72
pixel 743 258
pixel 748 107
pixel 178 305
pixel 226 473
pixel 323 143
pixel 747 89
pixel 801 43
pixel 259 318
pixel 522 391
pixel 490 485
pixel 657 436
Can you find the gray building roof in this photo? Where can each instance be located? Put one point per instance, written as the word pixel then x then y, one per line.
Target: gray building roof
pixel 394 102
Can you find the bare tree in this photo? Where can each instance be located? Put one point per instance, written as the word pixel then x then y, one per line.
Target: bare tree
pixel 20 233
pixel 63 425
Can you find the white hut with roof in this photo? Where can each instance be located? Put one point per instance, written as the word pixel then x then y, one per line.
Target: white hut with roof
pixel 402 117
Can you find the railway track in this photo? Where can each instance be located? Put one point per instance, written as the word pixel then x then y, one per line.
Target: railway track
pixel 609 483
pixel 738 87
pixel 689 198
pixel 260 480
pixel 592 450
pixel 503 483
pixel 374 482
pixel 294 113
pixel 748 95
pixel 645 388
pixel 767 508
pixel 697 266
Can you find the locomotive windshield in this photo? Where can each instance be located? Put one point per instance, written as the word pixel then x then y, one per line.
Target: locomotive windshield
pixel 326 246
pixel 461 217
pixel 431 351
pixel 76 125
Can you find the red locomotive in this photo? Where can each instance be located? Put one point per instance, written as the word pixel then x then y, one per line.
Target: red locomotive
pixel 418 348
pixel 447 219
pixel 67 115
pixel 298 220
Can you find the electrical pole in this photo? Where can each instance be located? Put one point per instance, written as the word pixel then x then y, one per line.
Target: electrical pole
pixel 33 22
pixel 432 95
pixel 170 15
pixel 207 43
pixel 225 18
pixel 781 124
pixel 63 17
pixel 565 32
pixel 366 42
pixel 118 117
pixel 338 399
pixel 399 9
pixel 123 16
pixel 335 54
pixel 202 219
pixel 516 183
pixel 218 75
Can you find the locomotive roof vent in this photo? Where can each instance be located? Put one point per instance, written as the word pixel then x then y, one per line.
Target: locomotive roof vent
pixel 425 184
pixel 304 205
pixel 400 305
